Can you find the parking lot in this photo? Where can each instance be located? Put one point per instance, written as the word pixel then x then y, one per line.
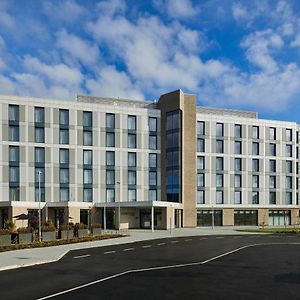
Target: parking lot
pixel 214 267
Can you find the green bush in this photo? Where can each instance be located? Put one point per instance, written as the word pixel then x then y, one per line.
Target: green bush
pixel 24 230
pixel 96 225
pixel 4 231
pixel 81 226
pixel 48 226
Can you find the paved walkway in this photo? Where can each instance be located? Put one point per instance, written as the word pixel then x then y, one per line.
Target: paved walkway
pixel 28 257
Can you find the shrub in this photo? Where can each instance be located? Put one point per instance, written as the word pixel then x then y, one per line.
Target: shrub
pixel 96 225
pixel 4 231
pixel 80 226
pixel 48 226
pixel 10 225
pixel 69 226
pixel 24 230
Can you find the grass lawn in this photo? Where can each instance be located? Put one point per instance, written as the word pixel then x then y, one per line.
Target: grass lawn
pixel 271 230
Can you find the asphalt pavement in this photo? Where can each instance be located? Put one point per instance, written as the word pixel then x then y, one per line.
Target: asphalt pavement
pixel 200 267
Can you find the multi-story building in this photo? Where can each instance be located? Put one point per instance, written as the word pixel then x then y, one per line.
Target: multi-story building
pixel 145 164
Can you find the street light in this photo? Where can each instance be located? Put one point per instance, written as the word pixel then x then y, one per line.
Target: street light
pixel 119 206
pixel 40 229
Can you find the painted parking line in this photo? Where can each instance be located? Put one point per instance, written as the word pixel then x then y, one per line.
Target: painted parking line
pixel 160 244
pixel 219 237
pixel 203 239
pixel 82 256
pixel 173 242
pixel 109 252
pixel 146 246
pixel 188 240
pixel 128 249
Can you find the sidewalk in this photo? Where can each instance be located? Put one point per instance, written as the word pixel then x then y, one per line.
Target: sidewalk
pixel 29 257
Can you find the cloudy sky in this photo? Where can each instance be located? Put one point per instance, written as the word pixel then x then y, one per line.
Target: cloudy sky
pixel 230 53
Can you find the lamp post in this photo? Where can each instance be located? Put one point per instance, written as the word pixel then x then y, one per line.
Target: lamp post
pixel 119 207
pixel 212 217
pixel 40 229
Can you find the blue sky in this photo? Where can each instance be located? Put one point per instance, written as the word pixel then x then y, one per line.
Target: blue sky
pixel 229 53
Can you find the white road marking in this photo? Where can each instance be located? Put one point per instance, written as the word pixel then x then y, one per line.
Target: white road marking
pixel 188 240
pixel 82 256
pixel 128 249
pixel 146 246
pixel 109 252
pixel 159 268
pixel 173 242
pixel 160 244
pixel 203 239
pixel 219 237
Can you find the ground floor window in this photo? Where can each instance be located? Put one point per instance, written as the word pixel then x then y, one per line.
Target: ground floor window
pixel 206 218
pixel 245 217
pixel 279 217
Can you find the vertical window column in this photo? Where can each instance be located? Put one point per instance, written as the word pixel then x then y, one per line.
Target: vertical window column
pixel 110 176
pixel 13 119
pixel 39 125
pixel 131 176
pixel 110 130
pixel 87 176
pixel 14 173
pixel 131 138
pixel 152 176
pixel 64 126
pixel 152 123
pixel 87 128
pixel 64 175
pixel 39 161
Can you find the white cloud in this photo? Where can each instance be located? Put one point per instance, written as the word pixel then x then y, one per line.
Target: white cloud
pixel 112 83
pixel 6 86
pixel 181 9
pixel 6 20
pixel 82 50
pixel 111 7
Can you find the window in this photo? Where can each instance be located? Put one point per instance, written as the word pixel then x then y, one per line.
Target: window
pixel 87 176
pixel 272 197
pixel 40 192
pixel 288 182
pixel 272 165
pixel 39 115
pixel 272 133
pixel 289 152
pixel 237 131
pixel 289 136
pixel 200 180
pixel 238 164
pixel 255 198
pixel 87 157
pixel 272 149
pixel 238 147
pixel 64 176
pixel 219 146
pixel 110 121
pixel 131 140
pixel 87 119
pixel 255 148
pixel 237 181
pixel 39 134
pixel 110 158
pixel 64 136
pixel 173 120
pixel 200 128
pixel 272 183
pixel 131 159
pixel 14 154
pixel 87 138
pixel 200 197
pixel 200 145
pixel 200 163
pixel 110 177
pixel 87 195
pixel 13 133
pixel 237 197
pixel 63 117
pixel 64 194
pixel 152 178
pixel 219 197
pixel 13 113
pixel 152 124
pixel 152 195
pixel 255 181
pixel 14 194
pixel 39 155
pixel 255 165
pixel 219 129
pixel 255 132
pixel 219 180
pixel 173 159
pixel 131 177
pixel 131 122
pixel 219 164
pixel 64 156
pixel 110 195
pixel 152 142
pixel 289 197
pixel 152 160
pixel 110 139
pixel 131 194
pixel 289 166
pixel 14 175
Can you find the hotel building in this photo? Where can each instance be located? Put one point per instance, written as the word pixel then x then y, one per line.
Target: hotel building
pixel 140 164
